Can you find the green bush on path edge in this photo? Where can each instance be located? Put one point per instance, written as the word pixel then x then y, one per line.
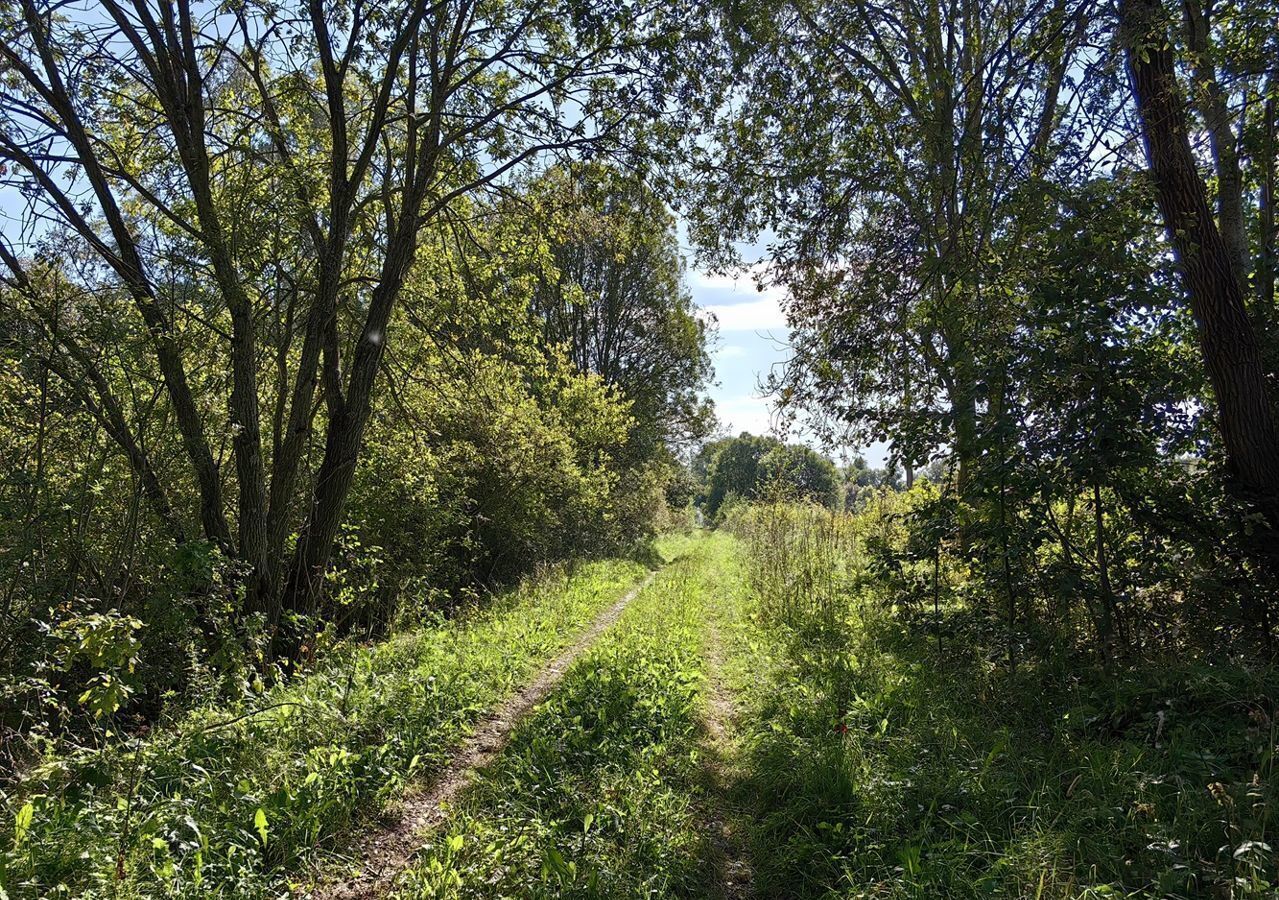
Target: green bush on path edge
pixel 231 800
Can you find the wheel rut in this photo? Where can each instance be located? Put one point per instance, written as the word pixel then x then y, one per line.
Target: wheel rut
pixel 385 853
pixel 734 876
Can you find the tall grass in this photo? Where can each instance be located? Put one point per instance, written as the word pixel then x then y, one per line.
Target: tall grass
pixel 802 560
pixel 880 763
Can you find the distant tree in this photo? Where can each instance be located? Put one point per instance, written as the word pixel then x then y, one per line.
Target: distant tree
pixel 751 467
pixel 801 472
pixel 733 469
pixel 618 304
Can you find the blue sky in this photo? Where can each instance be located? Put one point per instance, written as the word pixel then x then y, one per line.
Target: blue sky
pixel 753 339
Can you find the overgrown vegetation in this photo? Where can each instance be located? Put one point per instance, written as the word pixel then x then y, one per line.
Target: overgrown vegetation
pixel 232 799
pixel 212 478
pixel 619 816
pixel 891 752
pixel 324 323
pixel 1033 243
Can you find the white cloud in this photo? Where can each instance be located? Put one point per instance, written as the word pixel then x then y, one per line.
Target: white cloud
pixel 761 314
pixel 737 302
pixel 750 413
pixel 707 282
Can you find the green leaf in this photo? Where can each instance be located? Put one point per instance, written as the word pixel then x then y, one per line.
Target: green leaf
pixel 22 823
pixel 259 822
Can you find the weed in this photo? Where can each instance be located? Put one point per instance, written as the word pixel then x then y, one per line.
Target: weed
pixel 228 801
pixel 877 766
pixel 596 795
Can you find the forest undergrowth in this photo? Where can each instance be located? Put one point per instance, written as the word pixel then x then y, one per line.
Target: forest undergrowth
pixel 893 754
pixel 228 801
pixel 867 751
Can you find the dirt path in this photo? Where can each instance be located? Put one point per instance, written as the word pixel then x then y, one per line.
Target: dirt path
pixel 733 874
pixel 386 852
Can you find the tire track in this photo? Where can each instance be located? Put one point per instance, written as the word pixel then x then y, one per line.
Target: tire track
pixel 388 851
pixel 734 876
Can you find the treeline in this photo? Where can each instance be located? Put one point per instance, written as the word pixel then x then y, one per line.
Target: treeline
pixel 751 468
pixel 747 467
pixel 315 324
pixel 1033 243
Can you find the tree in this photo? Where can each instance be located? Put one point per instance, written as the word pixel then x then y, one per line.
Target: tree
pixel 895 153
pixel 618 303
pixel 801 472
pixel 749 467
pixel 1208 250
pixel 262 213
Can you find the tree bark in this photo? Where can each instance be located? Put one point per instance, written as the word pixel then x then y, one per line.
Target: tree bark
pixel 1108 611
pixel 1210 100
pixel 1229 344
pixel 1265 272
pixel 348 418
pixel 173 61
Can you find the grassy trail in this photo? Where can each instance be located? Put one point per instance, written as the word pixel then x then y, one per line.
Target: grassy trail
pixel 704 748
pixel 602 790
pixel 696 743
pixel 724 815
pixel 384 853
pixel 236 801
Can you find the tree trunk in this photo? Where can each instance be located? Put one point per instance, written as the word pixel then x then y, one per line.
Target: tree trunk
pixel 964 409
pixel 1265 273
pixel 1210 100
pixel 347 423
pixel 1230 348
pixel 1107 626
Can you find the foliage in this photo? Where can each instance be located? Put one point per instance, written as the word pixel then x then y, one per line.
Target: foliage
pixel 968 240
pixel 748 467
pixel 877 762
pixel 488 453
pixel 617 304
pixel 231 799
pixel 620 817
pixel 273 310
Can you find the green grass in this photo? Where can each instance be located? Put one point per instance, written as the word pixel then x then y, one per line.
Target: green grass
pixel 230 800
pixel 873 766
pixel 864 761
pixel 597 795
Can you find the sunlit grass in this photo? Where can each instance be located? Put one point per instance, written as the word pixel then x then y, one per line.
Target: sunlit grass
pixel 597 795
pixel 230 800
